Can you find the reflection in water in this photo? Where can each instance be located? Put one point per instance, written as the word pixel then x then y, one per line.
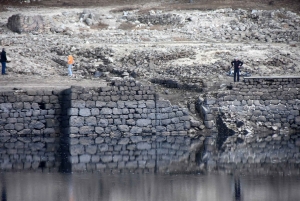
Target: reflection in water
pixel 70 188
pixel 237 189
pixel 3 189
pixel 134 187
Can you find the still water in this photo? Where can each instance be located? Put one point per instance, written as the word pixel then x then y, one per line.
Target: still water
pixel 22 186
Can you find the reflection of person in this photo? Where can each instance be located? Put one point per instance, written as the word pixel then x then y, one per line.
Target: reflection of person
pixel 3 61
pixel 3 194
pixel 237 64
pixel 70 64
pixel 237 189
pixel 70 184
pixel 3 191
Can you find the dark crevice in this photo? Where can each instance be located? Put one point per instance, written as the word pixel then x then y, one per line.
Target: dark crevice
pixel 42 164
pixel 229 87
pixel 42 106
pixel 64 144
pixel 170 83
pixel 199 155
pixel 223 132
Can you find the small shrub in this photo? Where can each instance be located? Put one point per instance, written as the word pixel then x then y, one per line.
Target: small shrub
pixel 100 25
pixel 126 26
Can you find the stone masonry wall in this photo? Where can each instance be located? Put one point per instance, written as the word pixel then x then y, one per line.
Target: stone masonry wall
pixel 258 114
pixel 30 129
pixel 265 101
pixel 126 127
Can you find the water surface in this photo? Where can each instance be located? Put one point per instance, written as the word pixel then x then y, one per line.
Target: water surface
pixel 22 186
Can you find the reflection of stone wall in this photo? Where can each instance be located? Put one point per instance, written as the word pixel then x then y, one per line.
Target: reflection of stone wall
pixel 30 129
pixel 262 148
pixel 20 153
pixel 126 126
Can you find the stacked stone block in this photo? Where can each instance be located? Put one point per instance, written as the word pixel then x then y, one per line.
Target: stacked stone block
pixel 263 148
pixel 29 153
pixel 30 129
pixel 207 110
pixel 270 101
pixel 125 126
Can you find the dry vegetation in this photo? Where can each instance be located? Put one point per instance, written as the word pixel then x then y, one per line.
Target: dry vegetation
pixel 100 25
pixel 180 39
pixel 127 26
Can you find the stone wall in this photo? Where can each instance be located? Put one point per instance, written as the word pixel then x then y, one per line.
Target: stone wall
pixel 265 101
pixel 254 119
pixel 120 127
pixel 30 129
pixel 126 127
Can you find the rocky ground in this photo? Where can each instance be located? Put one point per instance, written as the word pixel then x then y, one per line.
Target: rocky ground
pixel 183 51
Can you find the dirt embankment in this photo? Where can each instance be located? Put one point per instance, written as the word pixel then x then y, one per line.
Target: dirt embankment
pixel 180 4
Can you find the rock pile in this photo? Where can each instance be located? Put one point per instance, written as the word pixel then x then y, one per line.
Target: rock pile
pixel 243 25
pixel 156 18
pixel 53 36
pixel 89 17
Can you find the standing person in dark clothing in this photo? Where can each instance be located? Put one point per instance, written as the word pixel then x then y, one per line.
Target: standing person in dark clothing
pixel 3 61
pixel 237 64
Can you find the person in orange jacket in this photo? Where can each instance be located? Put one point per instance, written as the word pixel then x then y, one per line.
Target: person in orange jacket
pixel 70 64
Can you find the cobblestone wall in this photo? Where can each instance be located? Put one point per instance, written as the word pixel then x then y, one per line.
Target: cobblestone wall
pixel 125 126
pixel 30 128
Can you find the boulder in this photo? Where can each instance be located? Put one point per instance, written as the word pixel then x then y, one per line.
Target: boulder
pixel 297 142
pixel 143 146
pixel 239 123
pixel 20 23
pixel 209 124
